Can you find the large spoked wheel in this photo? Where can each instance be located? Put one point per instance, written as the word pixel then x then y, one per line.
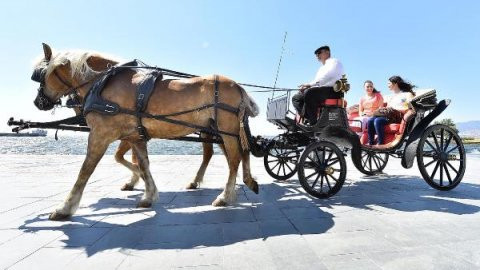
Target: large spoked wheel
pixel 281 161
pixel 373 162
pixel 322 169
pixel 441 157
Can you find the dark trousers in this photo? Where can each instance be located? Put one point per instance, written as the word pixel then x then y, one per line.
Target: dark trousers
pixel 376 125
pixel 306 103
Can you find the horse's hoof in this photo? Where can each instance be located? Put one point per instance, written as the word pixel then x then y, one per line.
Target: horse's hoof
pixel 219 202
pixel 192 185
pixel 144 204
pixel 253 186
pixel 127 187
pixel 58 216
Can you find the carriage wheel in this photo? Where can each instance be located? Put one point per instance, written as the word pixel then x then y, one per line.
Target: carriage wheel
pixel 441 157
pixel 373 162
pixel 280 161
pixel 322 169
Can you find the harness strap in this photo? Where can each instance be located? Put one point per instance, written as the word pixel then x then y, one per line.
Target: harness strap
pixel 215 104
pixel 144 91
pixel 178 122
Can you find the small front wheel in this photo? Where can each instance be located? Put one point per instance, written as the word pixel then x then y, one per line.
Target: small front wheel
pixel 322 169
pixel 373 162
pixel 281 161
pixel 441 157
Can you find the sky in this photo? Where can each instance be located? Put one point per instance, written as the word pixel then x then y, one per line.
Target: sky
pixel 433 44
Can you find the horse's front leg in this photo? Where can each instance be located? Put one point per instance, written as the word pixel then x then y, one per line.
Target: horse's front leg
pixel 123 147
pixel 151 192
pixel 97 145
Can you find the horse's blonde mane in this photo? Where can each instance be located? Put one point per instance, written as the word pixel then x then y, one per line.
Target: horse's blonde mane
pixel 78 62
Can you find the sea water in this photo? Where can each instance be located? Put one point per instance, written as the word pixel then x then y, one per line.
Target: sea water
pixel 77 145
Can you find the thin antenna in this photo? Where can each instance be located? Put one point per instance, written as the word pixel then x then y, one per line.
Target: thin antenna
pixel 279 63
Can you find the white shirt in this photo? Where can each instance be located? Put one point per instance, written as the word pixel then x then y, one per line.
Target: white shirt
pixel 328 74
pixel 399 101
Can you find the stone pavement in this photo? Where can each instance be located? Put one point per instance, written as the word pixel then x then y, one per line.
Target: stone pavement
pixel 392 221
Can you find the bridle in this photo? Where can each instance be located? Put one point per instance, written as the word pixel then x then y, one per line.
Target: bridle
pixel 42 101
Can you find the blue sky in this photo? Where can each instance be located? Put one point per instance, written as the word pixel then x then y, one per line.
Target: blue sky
pixel 433 44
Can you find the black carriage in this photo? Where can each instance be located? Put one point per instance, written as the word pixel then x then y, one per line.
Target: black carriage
pixel 318 154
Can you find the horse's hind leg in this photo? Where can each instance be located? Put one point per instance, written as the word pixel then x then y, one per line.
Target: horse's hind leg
pixel 207 155
pixel 123 147
pixel 233 155
pixel 248 179
pixel 97 145
pixel 151 192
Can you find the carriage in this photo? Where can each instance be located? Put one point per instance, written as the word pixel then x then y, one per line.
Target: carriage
pixel 132 103
pixel 318 154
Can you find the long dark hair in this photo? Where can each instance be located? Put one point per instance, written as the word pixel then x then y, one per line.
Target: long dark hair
pixel 402 84
pixel 374 89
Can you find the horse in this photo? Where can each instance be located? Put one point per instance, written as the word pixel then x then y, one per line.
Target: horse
pixel 74 72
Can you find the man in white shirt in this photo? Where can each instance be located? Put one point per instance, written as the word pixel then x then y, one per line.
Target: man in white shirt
pixel 315 92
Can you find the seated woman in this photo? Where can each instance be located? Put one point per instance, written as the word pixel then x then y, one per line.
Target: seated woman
pixel 368 103
pixel 402 94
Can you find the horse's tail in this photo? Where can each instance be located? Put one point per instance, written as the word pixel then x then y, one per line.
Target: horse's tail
pixel 247 108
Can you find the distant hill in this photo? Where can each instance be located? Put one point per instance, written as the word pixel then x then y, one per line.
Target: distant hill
pixel 470 128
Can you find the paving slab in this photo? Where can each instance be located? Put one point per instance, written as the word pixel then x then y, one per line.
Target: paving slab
pixel 388 221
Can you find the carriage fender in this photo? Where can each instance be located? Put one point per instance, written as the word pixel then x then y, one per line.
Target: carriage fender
pixel 417 132
pixel 344 136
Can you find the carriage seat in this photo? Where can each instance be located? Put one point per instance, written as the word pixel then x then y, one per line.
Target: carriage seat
pixel 329 102
pixel 393 131
pixel 338 102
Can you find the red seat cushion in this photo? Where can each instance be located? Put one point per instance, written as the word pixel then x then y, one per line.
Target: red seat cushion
pixel 392 128
pixel 335 102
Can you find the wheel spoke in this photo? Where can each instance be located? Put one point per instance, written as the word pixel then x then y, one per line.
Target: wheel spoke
pixel 329 156
pixel 379 157
pixel 453 149
pixel 370 162
pixel 448 174
pixel 450 165
pixel 430 144
pixel 321 184
pixel 311 175
pixel 376 162
pixel 334 179
pixel 275 166
pixel 290 168
pixel 434 170
pixel 441 174
pixel 448 141
pixel 315 182
pixel 430 163
pixel 436 141
pixel 279 167
pixel 313 161
pixel 365 162
pixel 318 158
pixel 283 166
pixel 275 160
pixel 441 141
pixel 328 182
pixel 333 162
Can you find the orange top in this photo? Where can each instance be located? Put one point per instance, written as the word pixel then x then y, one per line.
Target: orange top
pixel 369 104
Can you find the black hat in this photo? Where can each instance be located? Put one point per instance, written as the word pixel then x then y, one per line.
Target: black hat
pixel 319 50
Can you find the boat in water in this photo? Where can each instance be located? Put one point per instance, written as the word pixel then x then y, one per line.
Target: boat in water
pixel 33 133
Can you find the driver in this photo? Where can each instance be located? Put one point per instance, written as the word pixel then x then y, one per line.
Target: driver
pixel 315 92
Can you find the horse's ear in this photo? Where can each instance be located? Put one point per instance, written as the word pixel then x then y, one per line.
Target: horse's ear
pixel 47 51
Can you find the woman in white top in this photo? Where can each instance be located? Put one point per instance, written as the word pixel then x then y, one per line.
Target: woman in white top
pixel 402 94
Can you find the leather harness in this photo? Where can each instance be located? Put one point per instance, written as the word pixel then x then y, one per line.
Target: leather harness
pixel 95 102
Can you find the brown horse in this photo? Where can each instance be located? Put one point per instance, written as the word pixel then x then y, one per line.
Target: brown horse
pixel 75 72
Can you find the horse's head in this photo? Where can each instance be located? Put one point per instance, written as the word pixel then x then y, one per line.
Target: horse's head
pixel 52 88
pixel 64 74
